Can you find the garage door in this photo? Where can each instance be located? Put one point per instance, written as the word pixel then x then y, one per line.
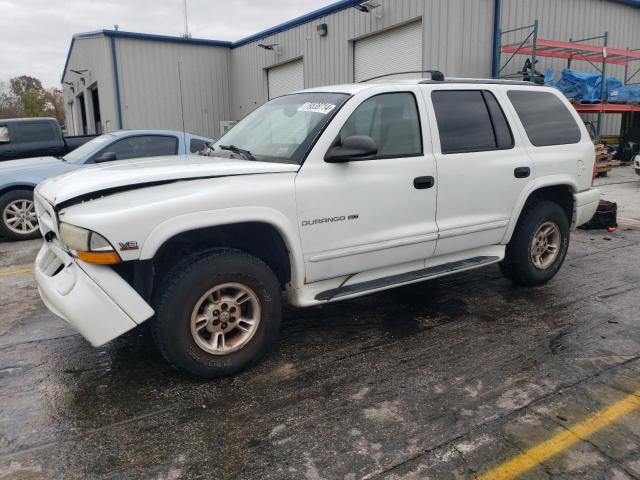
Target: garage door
pixel 285 78
pixel 396 50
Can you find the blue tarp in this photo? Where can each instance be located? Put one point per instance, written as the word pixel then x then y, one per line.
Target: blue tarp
pixel 586 86
pixel 625 93
pixel 549 79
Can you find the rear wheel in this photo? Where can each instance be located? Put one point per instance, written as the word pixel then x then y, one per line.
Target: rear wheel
pixel 18 219
pixel 538 246
pixel 217 313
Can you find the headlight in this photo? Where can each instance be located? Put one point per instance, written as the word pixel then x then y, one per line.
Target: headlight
pixel 88 246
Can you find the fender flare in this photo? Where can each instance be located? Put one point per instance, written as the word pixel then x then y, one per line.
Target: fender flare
pixel 17 185
pixel 228 216
pixel 535 185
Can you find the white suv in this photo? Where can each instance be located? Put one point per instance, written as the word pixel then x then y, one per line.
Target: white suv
pixel 325 195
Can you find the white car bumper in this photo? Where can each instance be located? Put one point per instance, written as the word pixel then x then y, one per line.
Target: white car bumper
pixel 93 299
pixel 585 205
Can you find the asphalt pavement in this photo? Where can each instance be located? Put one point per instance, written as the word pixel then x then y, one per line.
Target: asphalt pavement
pixel 461 377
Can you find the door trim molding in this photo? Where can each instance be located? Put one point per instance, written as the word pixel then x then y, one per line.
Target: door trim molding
pixel 454 232
pixel 373 247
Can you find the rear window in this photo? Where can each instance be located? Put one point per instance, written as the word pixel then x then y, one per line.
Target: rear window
pixel 34 132
pixel 470 121
pixel 545 118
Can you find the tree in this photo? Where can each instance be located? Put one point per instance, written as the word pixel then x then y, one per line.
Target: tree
pixel 33 103
pixel 24 96
pixel 54 104
pixel 22 84
pixel 10 105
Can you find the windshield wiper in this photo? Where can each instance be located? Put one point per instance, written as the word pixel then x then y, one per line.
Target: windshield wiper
pixel 240 151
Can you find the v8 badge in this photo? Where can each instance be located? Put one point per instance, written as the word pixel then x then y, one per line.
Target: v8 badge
pixel 131 245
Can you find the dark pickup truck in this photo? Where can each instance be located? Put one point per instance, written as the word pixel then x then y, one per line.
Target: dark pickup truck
pixel 35 137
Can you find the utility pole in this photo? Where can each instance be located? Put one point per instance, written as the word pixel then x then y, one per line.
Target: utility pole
pixel 186 20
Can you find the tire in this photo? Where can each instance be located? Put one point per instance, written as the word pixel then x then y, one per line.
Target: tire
pixel 183 333
pixel 17 215
pixel 521 263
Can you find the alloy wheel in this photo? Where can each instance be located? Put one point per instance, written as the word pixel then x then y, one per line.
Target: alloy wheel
pixel 545 245
pixel 225 318
pixel 20 216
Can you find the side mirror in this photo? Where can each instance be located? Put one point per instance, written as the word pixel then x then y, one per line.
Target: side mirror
pixel 353 148
pixel 106 157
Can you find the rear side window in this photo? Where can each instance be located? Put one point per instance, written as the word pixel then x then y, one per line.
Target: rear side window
pixel 545 118
pixel 470 121
pixel 196 145
pixel 34 132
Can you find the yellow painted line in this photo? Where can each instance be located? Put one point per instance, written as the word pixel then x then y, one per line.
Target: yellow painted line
pixel 544 451
pixel 16 272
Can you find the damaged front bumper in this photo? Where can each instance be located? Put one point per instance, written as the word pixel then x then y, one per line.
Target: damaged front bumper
pixel 93 299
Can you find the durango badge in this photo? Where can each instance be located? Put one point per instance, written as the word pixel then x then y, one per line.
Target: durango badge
pixel 131 245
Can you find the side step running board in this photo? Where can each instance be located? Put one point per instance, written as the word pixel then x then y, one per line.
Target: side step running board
pixel 421 274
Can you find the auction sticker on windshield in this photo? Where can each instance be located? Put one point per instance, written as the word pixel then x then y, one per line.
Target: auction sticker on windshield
pixel 316 107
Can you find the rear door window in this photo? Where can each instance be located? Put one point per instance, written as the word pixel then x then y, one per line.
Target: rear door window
pixel 545 118
pixel 31 132
pixel 470 121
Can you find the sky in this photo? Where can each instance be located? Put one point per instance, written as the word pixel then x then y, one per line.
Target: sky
pixel 35 34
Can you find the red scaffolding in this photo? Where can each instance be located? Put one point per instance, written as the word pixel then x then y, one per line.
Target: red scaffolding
pixel 599 56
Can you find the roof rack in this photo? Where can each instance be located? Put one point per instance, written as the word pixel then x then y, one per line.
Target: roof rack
pixel 436 75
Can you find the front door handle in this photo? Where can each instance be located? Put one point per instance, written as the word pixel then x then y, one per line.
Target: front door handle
pixel 423 182
pixel 522 172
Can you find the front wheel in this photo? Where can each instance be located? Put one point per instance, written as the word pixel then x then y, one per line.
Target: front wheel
pixel 18 219
pixel 217 313
pixel 538 246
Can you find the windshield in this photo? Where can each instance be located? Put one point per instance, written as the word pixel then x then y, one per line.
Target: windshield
pixel 80 154
pixel 281 130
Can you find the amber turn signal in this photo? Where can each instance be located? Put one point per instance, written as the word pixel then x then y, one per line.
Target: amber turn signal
pixel 99 258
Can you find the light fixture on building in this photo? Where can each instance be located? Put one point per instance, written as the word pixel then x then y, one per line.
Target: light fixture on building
pixel 71 87
pixel 367 6
pixel 79 72
pixel 268 46
pixel 322 29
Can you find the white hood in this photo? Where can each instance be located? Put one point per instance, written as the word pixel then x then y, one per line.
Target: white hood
pixel 113 175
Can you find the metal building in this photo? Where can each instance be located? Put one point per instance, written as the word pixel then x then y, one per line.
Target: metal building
pixel 114 79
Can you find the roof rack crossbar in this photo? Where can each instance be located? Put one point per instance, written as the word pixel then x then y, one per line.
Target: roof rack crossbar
pixel 436 75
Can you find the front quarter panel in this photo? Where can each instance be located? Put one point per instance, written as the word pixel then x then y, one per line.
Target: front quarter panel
pixel 148 217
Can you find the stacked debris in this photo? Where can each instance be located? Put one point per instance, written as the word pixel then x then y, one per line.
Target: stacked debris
pixel 604 160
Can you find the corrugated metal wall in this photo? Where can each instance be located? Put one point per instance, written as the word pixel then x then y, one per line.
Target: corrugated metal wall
pixel 94 55
pixel 457 40
pixel 565 19
pixel 219 83
pixel 150 85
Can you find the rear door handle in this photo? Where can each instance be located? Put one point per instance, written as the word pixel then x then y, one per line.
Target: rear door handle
pixel 522 172
pixel 423 182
